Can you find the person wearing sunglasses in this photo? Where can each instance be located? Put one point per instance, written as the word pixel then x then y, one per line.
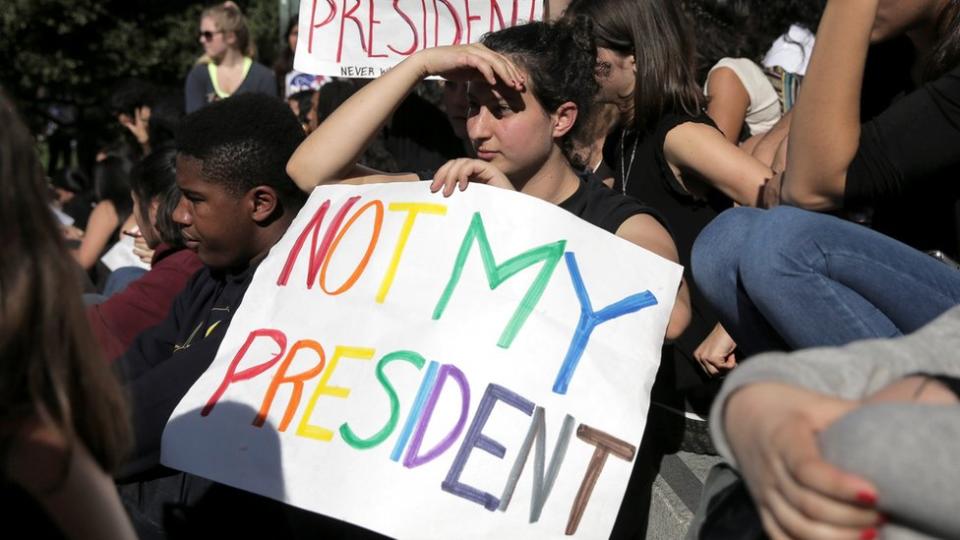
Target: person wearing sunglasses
pixel 227 66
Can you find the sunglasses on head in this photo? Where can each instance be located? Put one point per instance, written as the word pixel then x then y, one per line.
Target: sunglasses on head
pixel 207 35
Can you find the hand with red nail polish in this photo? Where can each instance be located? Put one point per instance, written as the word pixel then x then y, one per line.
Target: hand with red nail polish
pixel 772 430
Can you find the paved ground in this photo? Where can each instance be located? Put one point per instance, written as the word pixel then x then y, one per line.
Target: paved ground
pixel 675 494
pixel 667 480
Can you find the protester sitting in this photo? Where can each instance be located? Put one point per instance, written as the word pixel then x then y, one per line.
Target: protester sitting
pixel 236 203
pixel 743 99
pixel 528 84
pixel 669 154
pixel 111 186
pixel 146 301
pixel 851 442
pixel 228 67
pixel 63 417
pixel 790 278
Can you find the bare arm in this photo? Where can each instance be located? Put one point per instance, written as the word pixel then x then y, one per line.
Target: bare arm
pixel 728 103
pixel 646 232
pixel 79 496
pixel 765 147
pixel 825 132
pixel 702 150
pixel 330 153
pixel 103 221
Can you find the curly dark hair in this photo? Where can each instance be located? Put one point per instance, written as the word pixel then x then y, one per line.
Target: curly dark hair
pixel 244 141
pixel 560 59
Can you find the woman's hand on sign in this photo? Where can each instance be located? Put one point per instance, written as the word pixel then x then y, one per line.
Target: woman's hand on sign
pixel 460 172
pixel 772 430
pixel 471 62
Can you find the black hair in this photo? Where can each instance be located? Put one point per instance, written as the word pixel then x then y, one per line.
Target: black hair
pixel 70 179
pixel 770 19
pixel 657 34
pixel 304 100
pixel 165 114
pixel 945 53
pixel 155 177
pixel 130 94
pixel 332 95
pixel 244 141
pixel 718 29
pixel 111 182
pixel 560 59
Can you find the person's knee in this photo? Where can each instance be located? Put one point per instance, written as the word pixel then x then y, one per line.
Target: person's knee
pixel 717 251
pixel 784 243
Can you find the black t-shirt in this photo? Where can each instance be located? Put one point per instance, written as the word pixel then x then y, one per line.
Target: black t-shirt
pixel 595 203
pixel 908 167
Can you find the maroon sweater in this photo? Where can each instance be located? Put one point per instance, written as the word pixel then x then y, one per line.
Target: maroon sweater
pixel 144 303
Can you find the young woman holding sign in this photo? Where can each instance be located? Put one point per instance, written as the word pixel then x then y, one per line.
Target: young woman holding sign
pixel 527 87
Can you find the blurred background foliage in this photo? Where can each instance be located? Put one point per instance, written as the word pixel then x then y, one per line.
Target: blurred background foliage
pixel 62 58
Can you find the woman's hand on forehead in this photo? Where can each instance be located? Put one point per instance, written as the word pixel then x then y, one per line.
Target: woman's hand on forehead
pixel 470 63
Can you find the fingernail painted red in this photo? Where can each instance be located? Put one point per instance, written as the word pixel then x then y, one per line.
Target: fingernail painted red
pixel 868 534
pixel 882 519
pixel 867 497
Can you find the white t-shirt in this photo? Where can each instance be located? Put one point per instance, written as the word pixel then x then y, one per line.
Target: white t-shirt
pixel 792 55
pixel 764 109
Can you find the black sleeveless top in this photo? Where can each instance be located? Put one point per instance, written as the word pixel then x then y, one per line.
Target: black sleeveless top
pixel 599 205
pixel 649 178
pixel 595 203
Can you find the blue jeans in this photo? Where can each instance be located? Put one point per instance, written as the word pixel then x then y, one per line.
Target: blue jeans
pixel 787 278
pixel 120 278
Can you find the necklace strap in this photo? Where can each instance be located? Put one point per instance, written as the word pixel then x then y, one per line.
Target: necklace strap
pixel 625 171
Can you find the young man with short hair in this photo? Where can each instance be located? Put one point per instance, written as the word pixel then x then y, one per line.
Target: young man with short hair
pixel 237 203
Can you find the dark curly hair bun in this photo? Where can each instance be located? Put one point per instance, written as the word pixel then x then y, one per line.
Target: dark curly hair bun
pixel 560 61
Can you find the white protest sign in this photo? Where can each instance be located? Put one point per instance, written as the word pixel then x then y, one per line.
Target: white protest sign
pixel 364 38
pixel 476 366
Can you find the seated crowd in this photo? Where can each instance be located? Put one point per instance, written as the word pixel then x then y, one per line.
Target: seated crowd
pixel 736 138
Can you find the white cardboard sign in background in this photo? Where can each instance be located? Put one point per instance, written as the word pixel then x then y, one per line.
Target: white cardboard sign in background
pixel 364 38
pixel 397 387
